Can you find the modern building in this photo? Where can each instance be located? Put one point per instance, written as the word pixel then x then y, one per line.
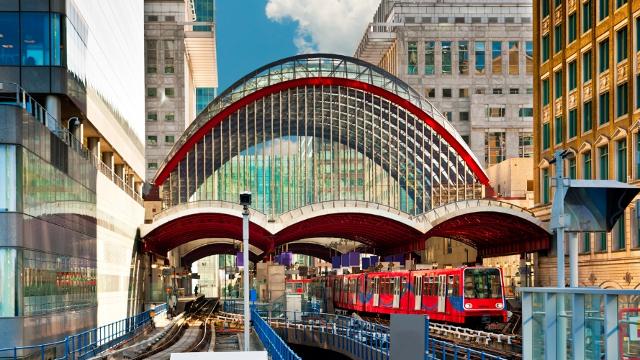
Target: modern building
pixel 586 100
pixel 473 60
pixel 181 73
pixel 71 165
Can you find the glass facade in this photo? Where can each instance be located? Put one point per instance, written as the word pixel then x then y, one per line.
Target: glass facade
pixel 32 38
pixel 480 55
pixel 203 98
pixel 429 58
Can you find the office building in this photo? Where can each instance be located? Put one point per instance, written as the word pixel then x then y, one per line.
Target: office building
pixel 586 100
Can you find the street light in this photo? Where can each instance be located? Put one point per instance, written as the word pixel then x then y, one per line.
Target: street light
pixel 245 201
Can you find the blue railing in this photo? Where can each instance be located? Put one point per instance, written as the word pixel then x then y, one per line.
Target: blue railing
pixel 87 343
pixel 441 350
pixel 276 347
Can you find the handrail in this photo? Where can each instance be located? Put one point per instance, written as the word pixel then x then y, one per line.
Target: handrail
pixel 276 347
pixel 87 343
pixel 13 94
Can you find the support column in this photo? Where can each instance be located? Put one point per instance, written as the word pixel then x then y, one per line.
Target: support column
pixel 573 259
pixel 119 170
pixel 107 158
pixel 93 143
pixel 54 107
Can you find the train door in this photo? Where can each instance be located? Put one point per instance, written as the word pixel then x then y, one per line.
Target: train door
pixel 417 290
pixel 354 290
pixel 376 291
pixel 442 292
pixel 396 292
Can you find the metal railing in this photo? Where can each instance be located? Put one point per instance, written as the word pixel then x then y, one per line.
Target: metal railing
pixel 276 347
pixel 440 350
pixel 87 343
pixel 13 94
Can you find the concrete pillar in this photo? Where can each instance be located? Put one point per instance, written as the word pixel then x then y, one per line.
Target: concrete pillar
pixel 138 187
pixel 54 107
pixel 107 158
pixel 93 143
pixel 119 170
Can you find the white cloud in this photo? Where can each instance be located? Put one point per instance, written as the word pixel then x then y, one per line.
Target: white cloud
pixel 334 26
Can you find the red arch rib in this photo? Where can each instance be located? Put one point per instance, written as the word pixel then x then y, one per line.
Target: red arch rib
pixel 318 81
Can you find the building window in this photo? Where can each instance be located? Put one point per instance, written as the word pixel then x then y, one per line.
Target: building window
pixel 603 165
pixel 152 92
pixel 525 144
pixel 638 34
pixel 446 93
pixel 169 56
pixel 603 108
pixel 529 91
pixel 619 240
pixel 481 91
pixel 465 138
pixel 152 116
pixel 557 39
pixel 35 44
pixel 152 140
pixel 514 57
pixel 557 80
pixel 621 160
pixel 169 116
pixel 637 156
pixel 514 91
pixel 573 123
pixel 622 102
pixel 573 75
pixel 557 3
pixel 573 27
pixel 448 115
pixel 430 92
pixel 480 57
pixel 620 3
pixel 494 148
pixel 585 247
pixel 497 91
pixel 621 44
pixel 412 58
pixel 545 92
pixel 545 48
pixel 463 57
pixel 169 139
pixel 603 55
pixel 528 48
pixel 587 122
pixel 601 242
pixel 446 57
pixel 603 9
pixel 496 57
pixel 429 58
pixel 525 112
pixel 546 136
pixel 545 186
pixel 586 168
pixel 586 16
pixel 170 92
pixel 464 116
pixel 557 125
pixel 463 93
pixel 637 91
pixel 572 168
pixel 449 247
pixel 151 56
pixel 10 49
pixel 152 166
pixel 496 112
pixel 545 8
pixel 586 66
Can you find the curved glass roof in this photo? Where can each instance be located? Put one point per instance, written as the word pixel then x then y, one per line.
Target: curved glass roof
pixel 313 66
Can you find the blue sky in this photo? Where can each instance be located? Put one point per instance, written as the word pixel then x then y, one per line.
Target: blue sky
pixel 247 39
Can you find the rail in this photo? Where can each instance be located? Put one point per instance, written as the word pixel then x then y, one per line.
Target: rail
pixel 467 334
pixel 13 94
pixel 87 343
pixel 276 347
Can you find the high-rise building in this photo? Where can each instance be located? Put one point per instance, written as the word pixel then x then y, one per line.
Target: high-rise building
pixel 71 165
pixel 586 100
pixel 473 60
pixel 181 72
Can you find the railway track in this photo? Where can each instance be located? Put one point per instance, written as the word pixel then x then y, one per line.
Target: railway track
pixel 191 333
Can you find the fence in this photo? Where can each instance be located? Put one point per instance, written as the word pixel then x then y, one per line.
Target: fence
pixel 274 344
pixel 87 343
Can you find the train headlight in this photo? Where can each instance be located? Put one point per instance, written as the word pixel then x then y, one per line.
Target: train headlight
pixel 499 305
pixel 468 306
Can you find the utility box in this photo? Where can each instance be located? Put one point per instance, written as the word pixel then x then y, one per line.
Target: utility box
pixel 408 337
pixel 294 302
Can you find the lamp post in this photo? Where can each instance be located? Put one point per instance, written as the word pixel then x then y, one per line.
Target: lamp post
pixel 245 201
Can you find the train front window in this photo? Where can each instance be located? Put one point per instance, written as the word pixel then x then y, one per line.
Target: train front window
pixel 482 284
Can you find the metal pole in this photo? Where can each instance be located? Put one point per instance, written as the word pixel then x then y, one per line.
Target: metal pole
pixel 245 274
pixel 557 215
pixel 573 259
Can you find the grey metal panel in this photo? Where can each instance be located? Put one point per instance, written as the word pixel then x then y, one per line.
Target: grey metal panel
pixel 58 80
pixel 10 126
pixel 58 6
pixel 9 73
pixel 48 237
pixel 9 5
pixel 36 79
pixel 34 5
pixel 407 337
pixel 11 225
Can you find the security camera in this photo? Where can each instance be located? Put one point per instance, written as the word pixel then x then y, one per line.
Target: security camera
pixel 245 198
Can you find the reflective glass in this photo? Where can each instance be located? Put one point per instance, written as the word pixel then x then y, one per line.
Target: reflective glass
pixel 8 284
pixel 35 38
pixel 9 39
pixel 480 57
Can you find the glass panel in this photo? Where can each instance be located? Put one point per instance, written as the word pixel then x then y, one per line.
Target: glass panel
pixel 10 43
pixel 557 39
pixel 621 44
pixel 482 283
pixel 586 66
pixel 429 58
pixel 572 27
pixel 594 327
pixel 586 173
pixel 57 40
pixel 529 57
pixel 494 148
pixel 496 57
pixel 35 38
pixel 8 285
pixel 573 75
pixel 446 57
pixel 538 327
pixel 514 57
pixel 412 58
pixel 463 57
pixel 480 57
pixel 586 16
pixel 603 55
pixel 8 178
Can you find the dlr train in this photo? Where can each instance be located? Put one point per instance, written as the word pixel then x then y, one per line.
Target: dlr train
pixel 466 295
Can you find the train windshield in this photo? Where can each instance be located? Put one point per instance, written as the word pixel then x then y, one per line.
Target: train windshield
pixel 482 284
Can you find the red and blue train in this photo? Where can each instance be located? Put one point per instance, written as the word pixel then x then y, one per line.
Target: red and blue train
pixel 466 295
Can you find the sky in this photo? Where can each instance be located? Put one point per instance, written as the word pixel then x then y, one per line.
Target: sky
pixel 252 33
